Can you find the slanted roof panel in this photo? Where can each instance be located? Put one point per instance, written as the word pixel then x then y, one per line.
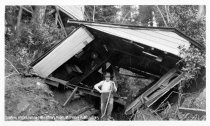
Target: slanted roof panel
pixel 167 41
pixel 63 52
pixel 74 11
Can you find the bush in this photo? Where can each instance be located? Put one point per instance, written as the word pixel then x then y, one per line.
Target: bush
pixel 32 41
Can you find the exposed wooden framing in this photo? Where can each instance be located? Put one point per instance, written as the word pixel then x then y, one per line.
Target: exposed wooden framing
pixel 79 79
pixel 144 98
pixel 71 95
pixel 163 91
pixel 156 110
pixel 150 74
pixel 137 71
pixel 58 80
pixel 161 81
pixel 92 92
pixel 53 83
pixel 127 53
pixel 192 111
pixel 132 76
pixel 61 23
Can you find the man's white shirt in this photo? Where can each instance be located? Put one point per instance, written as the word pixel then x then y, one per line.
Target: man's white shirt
pixel 106 86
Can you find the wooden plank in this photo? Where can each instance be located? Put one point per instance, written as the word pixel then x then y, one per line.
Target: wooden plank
pixel 84 90
pixel 53 83
pixel 172 84
pixel 139 100
pixel 61 22
pixel 58 80
pixel 192 111
pixel 162 80
pixel 89 71
pixel 133 76
pixel 70 97
pixel 88 91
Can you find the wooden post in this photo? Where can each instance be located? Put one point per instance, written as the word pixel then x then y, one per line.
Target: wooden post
pixel 56 18
pixel 61 23
pixel 70 97
pixel 193 110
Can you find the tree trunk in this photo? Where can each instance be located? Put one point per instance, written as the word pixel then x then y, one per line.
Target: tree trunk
pixel 167 13
pixel 38 18
pixel 162 16
pixel 94 11
pixel 18 21
pixel 38 15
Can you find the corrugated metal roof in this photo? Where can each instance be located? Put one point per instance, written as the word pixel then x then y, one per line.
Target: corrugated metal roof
pixel 167 41
pixel 74 11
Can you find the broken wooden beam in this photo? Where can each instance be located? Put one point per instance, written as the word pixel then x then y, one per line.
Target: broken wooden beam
pixel 58 80
pixel 146 96
pixel 133 76
pixel 92 92
pixel 82 77
pixel 61 22
pixel 53 83
pixel 160 93
pixel 70 97
pixel 192 111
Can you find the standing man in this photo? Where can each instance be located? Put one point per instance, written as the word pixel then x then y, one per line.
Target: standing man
pixel 106 88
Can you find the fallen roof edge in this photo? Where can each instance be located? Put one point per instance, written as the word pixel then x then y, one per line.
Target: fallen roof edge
pixel 33 63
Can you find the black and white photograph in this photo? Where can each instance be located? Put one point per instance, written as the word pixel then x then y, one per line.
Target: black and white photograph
pixel 104 62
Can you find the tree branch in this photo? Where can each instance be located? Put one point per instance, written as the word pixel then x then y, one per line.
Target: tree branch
pixel 167 13
pixel 12 65
pixel 61 23
pixel 94 11
pixel 162 16
pixel 26 9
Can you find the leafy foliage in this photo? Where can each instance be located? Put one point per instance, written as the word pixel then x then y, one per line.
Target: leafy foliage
pixel 193 61
pixel 32 40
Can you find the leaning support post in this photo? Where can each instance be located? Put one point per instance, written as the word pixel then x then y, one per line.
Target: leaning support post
pixel 70 97
pixel 61 22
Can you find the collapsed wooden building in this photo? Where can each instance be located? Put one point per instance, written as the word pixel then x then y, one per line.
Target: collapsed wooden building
pixel 79 61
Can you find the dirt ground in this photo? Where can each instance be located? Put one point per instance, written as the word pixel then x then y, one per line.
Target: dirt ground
pixel 28 98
